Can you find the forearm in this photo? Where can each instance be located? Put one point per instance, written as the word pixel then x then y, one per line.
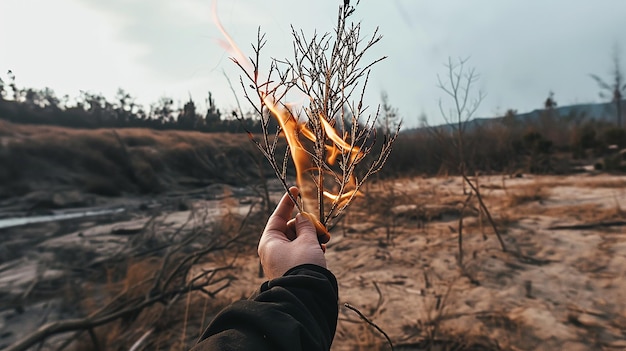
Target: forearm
pixel 295 312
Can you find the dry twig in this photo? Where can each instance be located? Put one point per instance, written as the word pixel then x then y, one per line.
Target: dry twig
pixel 368 321
pixel 331 136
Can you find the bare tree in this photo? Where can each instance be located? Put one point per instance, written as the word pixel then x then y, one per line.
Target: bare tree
pixel 615 88
pixel 458 84
pixel 390 118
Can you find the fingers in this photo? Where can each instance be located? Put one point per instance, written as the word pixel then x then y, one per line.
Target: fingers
pixel 290 233
pixel 305 230
pixel 322 234
pixel 277 223
pixel 286 205
pixel 281 226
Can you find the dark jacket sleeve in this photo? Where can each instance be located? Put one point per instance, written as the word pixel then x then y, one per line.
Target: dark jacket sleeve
pixel 297 311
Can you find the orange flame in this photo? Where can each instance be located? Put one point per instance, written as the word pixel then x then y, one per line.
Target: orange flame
pixel 293 129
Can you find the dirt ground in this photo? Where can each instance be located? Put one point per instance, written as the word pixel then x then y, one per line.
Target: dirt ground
pixel 560 284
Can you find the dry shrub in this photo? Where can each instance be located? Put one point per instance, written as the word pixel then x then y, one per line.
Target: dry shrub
pixel 133 280
pixel 137 281
pixel 176 325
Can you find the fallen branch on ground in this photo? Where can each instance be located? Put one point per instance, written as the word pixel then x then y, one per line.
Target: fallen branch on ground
pixel 589 225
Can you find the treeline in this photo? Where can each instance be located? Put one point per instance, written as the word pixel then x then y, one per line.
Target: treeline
pixel 93 110
pixel 549 143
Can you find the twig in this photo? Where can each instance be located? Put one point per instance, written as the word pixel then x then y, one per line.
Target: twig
pixel 139 342
pixel 589 225
pixel 94 340
pixel 460 240
pixel 368 321
pixel 484 207
pixel 59 327
pixel 125 304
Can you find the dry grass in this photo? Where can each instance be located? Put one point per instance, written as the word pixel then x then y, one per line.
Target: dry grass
pixel 596 182
pixel 154 284
pixel 94 160
pixel 586 213
pixel 175 325
pixel 534 192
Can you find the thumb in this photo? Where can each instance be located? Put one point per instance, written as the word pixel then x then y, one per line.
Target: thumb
pixel 305 230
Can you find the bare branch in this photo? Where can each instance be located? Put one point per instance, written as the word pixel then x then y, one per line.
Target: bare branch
pixel 333 133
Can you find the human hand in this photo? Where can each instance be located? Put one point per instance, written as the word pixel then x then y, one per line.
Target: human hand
pixel 287 242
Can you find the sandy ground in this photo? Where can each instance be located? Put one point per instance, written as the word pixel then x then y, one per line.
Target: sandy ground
pixel 395 256
pixel 554 288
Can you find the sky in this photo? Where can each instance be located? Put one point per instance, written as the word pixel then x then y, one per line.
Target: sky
pixel 521 50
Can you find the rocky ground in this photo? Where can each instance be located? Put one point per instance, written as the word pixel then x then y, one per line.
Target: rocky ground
pixel 559 285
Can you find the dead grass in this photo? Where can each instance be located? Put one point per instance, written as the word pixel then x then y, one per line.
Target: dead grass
pixel 598 182
pixel 148 161
pixel 585 213
pixel 520 195
pixel 175 325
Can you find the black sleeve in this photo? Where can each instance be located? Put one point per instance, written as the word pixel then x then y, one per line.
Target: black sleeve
pixel 297 311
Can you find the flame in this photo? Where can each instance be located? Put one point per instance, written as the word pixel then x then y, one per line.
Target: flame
pixel 229 45
pixel 293 129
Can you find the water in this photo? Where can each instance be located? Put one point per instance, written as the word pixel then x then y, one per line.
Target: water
pixel 18 221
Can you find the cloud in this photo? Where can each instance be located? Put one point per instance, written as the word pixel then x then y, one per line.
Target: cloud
pixel 66 46
pixel 158 47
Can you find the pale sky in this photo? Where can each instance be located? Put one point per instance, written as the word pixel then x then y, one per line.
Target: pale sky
pixel 154 48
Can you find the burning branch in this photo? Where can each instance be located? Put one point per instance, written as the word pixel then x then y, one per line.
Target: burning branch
pixel 331 138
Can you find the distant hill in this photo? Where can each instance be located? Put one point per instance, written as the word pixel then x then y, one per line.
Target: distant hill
pixel 598 112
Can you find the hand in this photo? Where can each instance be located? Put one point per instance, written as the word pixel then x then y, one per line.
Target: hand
pixel 287 242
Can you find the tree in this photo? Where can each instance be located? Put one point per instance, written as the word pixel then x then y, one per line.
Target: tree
pixel 162 111
pixel 125 107
pixel 615 87
pixel 458 84
pixel 550 103
pixel 550 123
pixel 213 114
pixel 389 119
pixel 188 118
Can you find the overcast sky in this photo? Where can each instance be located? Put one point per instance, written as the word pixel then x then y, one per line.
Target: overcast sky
pixel 154 48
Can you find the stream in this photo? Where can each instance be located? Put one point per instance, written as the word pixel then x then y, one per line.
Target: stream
pixel 18 221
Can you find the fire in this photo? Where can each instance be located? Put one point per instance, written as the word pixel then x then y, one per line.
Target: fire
pixel 335 144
